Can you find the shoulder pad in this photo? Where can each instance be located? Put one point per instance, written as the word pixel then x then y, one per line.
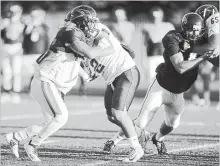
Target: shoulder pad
pixel 76 33
pixel 173 35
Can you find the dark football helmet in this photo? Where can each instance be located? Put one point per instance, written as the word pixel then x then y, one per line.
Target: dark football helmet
pixel 67 17
pixel 192 26
pixel 205 11
pixel 86 20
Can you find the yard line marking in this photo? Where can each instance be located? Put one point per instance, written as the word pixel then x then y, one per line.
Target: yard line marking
pixel 181 149
pixel 196 123
pixel 194 148
pixel 97 163
pixel 51 141
pixel 37 116
pixel 16 117
pixel 86 112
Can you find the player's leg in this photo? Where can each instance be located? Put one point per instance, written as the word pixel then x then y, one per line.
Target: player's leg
pixel 108 104
pixel 124 89
pixel 53 98
pixel 174 107
pixel 14 138
pixel 152 101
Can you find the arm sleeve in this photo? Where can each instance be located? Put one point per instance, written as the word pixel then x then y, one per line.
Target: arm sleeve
pixel 171 45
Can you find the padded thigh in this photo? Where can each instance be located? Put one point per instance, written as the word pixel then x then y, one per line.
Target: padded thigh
pixel 125 86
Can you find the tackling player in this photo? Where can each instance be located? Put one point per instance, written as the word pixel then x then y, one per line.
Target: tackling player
pixel 210 15
pixel 57 72
pixel 174 77
pixel 108 58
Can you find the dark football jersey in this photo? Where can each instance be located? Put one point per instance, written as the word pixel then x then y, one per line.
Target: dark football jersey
pixel 167 76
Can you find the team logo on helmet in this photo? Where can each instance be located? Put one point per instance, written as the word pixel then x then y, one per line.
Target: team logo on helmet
pixel 205 11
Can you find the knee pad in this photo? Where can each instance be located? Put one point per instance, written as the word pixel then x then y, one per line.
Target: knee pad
pixel 33 130
pixel 111 119
pixel 118 115
pixel 173 122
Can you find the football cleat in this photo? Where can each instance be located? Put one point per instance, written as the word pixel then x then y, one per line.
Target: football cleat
pixel 31 151
pixel 160 145
pixel 134 155
pixel 108 146
pixel 13 144
pixel 144 138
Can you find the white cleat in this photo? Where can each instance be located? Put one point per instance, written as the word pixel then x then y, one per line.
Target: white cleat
pixel 31 152
pixel 135 154
pixel 13 144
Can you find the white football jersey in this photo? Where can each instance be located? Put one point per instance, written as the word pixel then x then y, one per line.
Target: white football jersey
pixel 212 24
pixel 113 65
pixel 61 68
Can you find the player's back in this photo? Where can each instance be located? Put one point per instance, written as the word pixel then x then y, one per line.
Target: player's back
pixel 118 62
pixel 212 24
pixel 167 75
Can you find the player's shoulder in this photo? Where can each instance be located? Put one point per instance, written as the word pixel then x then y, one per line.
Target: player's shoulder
pixel 71 32
pixel 172 35
pixel 213 19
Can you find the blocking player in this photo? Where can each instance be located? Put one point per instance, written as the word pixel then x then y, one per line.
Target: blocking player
pixel 57 72
pixel 108 58
pixel 210 15
pixel 174 77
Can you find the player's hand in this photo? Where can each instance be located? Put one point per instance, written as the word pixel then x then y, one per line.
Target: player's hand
pixel 211 54
pixel 185 45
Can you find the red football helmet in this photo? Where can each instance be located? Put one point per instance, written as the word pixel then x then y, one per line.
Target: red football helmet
pixel 205 11
pixel 192 25
pixel 86 20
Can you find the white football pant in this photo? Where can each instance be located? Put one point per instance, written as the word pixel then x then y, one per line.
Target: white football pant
pixel 155 97
pixel 52 105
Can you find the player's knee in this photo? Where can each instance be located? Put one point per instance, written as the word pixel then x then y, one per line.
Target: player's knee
pixel 33 130
pixel 173 122
pixel 61 119
pixel 118 115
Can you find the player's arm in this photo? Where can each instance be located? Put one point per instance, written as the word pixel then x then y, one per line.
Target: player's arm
pixel 213 44
pixel 182 65
pixel 103 47
pixel 171 44
pixel 84 75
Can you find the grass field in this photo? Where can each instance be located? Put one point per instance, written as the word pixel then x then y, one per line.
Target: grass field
pixel 195 142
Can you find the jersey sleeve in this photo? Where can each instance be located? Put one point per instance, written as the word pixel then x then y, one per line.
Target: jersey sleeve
pixel 212 25
pixel 171 44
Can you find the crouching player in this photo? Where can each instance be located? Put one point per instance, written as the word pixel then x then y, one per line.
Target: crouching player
pixel 174 77
pixel 108 58
pixel 57 72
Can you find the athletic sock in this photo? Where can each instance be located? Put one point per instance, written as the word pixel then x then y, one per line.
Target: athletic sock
pixel 164 130
pixel 117 138
pixel 27 132
pixel 134 141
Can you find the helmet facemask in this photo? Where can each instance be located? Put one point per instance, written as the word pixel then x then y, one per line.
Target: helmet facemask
pixel 89 27
pixel 192 26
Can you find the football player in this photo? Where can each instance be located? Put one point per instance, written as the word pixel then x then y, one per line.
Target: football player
pixel 174 77
pixel 108 58
pixel 210 15
pixel 57 72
